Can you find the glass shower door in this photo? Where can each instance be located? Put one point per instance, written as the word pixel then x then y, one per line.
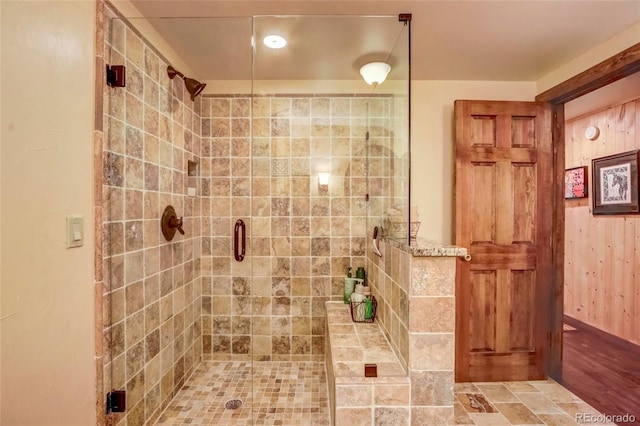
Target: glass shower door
pixel 310 165
pixel 284 145
pixel 170 305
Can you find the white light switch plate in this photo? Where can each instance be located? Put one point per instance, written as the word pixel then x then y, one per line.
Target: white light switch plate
pixel 75 231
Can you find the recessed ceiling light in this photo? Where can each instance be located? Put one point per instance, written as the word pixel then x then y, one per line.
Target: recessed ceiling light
pixel 274 41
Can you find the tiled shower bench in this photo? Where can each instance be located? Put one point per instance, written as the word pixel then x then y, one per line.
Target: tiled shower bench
pixel 356 399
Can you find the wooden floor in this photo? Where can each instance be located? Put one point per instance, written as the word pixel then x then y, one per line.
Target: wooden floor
pixel 601 370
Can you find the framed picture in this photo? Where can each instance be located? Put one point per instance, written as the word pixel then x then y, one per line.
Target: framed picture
pixel 615 180
pixel 575 183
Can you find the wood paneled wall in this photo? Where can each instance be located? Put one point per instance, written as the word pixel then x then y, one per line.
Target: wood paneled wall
pixel 602 253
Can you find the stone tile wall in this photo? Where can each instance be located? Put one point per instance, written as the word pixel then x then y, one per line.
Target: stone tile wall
pixel 254 158
pixel 416 299
pixel 390 282
pixel 152 287
pixel 261 157
pixel 431 339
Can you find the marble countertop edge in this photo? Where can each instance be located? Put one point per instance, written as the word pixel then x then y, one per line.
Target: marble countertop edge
pixel 422 247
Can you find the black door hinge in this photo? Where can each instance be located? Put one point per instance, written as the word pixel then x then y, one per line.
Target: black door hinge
pixel 116 75
pixel 116 401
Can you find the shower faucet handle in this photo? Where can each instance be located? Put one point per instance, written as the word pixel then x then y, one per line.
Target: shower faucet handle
pixel 174 222
pixel 169 223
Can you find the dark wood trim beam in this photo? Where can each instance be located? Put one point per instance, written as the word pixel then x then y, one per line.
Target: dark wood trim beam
pixel 615 68
pixel 556 296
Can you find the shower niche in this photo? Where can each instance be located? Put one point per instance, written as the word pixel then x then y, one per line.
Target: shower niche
pixel 291 141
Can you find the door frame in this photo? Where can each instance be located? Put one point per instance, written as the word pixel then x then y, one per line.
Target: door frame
pixel 606 72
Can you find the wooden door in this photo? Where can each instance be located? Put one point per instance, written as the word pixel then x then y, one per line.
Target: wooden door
pixel 504 201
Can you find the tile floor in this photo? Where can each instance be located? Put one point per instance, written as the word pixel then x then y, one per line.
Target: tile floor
pixel 283 393
pixel 295 393
pixel 517 403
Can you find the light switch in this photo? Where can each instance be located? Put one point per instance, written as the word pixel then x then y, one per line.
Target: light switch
pixel 75 231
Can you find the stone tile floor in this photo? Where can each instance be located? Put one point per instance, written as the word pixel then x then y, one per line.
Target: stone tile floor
pixel 518 403
pixel 295 394
pixel 278 393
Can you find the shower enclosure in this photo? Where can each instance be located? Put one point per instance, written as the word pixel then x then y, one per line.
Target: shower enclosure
pixel 279 170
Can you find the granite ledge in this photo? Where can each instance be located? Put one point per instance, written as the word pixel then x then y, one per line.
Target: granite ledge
pixel 421 247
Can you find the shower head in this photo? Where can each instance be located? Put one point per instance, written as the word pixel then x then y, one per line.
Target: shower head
pixel 194 87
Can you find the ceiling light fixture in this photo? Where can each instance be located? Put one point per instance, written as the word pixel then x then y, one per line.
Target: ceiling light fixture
pixel 375 73
pixel 274 41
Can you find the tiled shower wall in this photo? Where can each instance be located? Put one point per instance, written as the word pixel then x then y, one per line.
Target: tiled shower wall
pixel 257 160
pixel 390 279
pixel 152 301
pixel 301 237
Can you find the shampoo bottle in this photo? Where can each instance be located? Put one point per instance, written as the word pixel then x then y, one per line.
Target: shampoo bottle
pixel 349 283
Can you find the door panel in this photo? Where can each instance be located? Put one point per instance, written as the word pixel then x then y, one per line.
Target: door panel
pixel 483 290
pixel 503 182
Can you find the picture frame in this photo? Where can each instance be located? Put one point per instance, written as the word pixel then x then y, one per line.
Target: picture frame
pixel 615 184
pixel 576 183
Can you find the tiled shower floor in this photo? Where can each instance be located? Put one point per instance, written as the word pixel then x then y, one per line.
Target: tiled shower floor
pixel 295 393
pixel 283 393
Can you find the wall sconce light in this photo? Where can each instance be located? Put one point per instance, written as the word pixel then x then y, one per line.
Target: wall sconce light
pixel 375 73
pixel 323 179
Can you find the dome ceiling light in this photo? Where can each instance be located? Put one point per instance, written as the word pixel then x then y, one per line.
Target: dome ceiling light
pixel 375 73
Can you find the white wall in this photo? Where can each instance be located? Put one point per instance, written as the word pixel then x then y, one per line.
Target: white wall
pixel 597 54
pixel 432 141
pixel 46 157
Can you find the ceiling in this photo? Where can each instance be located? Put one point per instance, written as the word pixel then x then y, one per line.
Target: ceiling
pixel 450 40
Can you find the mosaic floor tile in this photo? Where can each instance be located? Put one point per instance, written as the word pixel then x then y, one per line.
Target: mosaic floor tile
pixel 277 393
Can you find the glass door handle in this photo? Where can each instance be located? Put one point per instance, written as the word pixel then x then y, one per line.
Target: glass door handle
pixel 239 240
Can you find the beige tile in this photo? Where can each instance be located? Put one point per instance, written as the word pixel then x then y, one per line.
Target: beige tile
pixel 461 417
pixel 354 416
pixel 497 392
pixel 354 395
pixel 391 416
pixel 347 354
pixel 486 419
pixel 557 420
pixel 576 407
pixel 432 388
pixel 555 392
pixel 432 314
pixel 391 395
pixel 517 413
pixel 538 403
pixel 432 351
pixel 433 277
pixel 520 387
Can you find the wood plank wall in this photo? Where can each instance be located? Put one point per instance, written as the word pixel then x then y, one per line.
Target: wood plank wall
pixel 602 253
